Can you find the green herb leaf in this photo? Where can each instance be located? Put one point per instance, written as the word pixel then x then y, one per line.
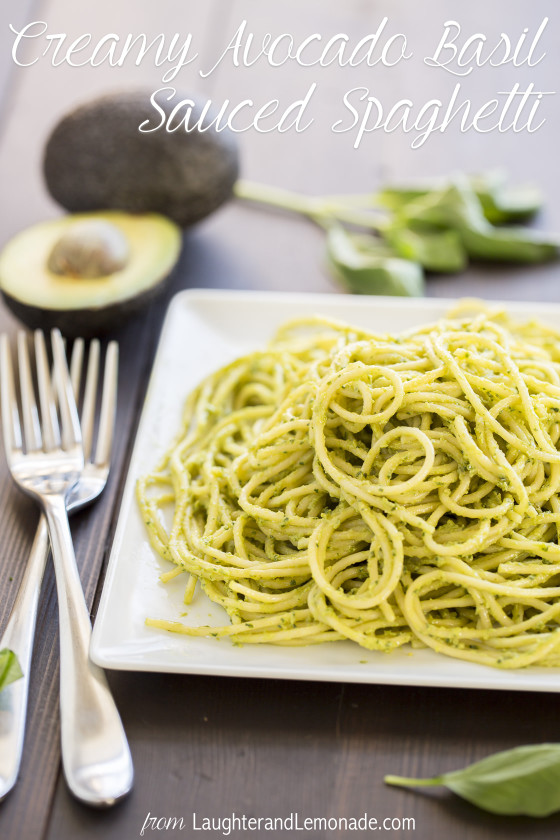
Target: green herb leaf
pixel 435 249
pixel 501 203
pixel 504 204
pixel 525 780
pixel 368 266
pixel 458 207
pixel 10 670
pixel 395 197
pixel 509 244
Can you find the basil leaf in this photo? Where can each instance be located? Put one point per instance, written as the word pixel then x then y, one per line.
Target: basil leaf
pixel 500 202
pixel 435 249
pixel 366 266
pixel 10 670
pixel 509 244
pixel 458 207
pixel 395 198
pixel 514 204
pixel 505 204
pixel 525 780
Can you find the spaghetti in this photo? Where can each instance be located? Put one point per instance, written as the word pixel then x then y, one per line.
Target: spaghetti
pixel 383 489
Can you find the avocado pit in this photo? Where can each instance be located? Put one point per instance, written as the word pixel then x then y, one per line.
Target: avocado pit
pixel 90 248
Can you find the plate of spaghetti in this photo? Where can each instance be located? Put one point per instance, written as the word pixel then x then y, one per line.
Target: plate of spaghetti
pixel 342 488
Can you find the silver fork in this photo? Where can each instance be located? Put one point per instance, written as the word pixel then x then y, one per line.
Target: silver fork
pixel 95 754
pixel 20 630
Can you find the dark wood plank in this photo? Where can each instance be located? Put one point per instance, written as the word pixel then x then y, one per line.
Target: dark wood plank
pixel 262 748
pixel 17 13
pixel 212 745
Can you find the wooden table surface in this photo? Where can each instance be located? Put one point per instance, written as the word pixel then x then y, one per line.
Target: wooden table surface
pixel 212 745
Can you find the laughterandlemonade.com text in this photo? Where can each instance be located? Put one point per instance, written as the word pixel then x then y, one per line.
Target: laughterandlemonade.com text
pixel 293 822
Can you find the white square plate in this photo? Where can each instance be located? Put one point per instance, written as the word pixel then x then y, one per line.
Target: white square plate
pixel 204 330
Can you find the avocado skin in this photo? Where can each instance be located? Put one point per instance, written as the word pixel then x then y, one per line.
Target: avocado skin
pixel 97 159
pixel 86 323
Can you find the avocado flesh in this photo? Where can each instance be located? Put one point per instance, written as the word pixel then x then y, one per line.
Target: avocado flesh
pixel 82 306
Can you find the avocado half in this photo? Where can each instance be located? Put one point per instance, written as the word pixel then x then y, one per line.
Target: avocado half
pixel 89 272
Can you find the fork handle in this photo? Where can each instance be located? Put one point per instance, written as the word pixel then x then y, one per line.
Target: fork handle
pixel 95 753
pixel 18 636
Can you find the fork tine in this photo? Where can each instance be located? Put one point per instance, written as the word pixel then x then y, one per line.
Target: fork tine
pixel 90 392
pixel 31 426
pixel 51 432
pixel 71 434
pixel 108 405
pixel 76 365
pixel 10 415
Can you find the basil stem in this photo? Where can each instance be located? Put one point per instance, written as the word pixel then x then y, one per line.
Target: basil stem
pixel 321 210
pixel 10 670
pixel 525 780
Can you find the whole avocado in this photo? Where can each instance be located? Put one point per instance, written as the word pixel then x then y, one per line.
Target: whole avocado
pixel 97 159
